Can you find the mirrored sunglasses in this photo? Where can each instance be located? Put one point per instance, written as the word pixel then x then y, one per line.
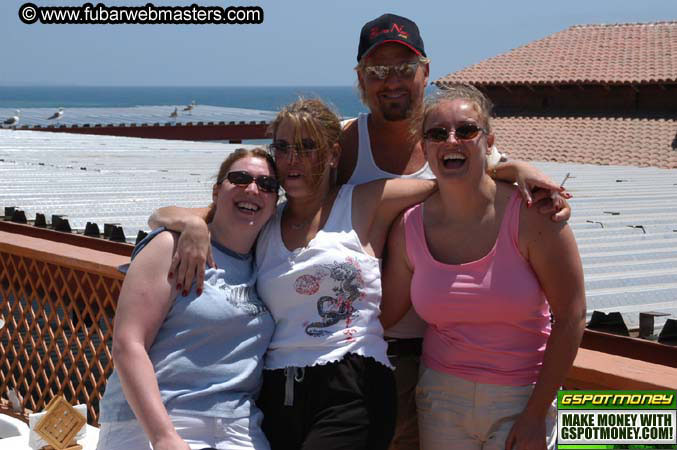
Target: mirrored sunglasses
pixel 243 178
pixel 404 70
pixel 462 133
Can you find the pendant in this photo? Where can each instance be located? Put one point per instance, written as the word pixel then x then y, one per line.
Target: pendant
pixel 298 226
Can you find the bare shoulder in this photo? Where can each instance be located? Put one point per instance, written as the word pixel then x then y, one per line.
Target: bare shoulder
pixel 532 219
pixel 348 142
pixel 504 192
pixel 366 200
pixel 147 277
pixel 159 248
pixel 537 229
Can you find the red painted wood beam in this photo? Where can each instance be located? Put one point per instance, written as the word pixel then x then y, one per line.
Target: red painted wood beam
pixel 198 131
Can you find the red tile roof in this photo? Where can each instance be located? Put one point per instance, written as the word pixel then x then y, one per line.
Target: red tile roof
pixel 602 141
pixel 641 53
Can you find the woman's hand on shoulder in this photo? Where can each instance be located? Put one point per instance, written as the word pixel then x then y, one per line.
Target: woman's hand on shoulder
pixel 541 238
pixel 537 189
pixel 193 251
pixel 552 203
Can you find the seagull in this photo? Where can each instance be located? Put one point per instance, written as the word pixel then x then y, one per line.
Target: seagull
pixel 175 114
pixel 190 107
pixel 57 115
pixel 14 120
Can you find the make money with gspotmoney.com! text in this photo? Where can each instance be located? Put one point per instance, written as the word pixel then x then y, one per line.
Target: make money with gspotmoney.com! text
pixel 101 14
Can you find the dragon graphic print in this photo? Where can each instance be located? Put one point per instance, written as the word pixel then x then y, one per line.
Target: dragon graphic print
pixel 347 288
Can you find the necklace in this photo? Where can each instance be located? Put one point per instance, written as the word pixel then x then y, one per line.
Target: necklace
pixel 299 225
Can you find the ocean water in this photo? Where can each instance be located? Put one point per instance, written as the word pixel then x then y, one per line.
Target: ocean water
pixel 345 99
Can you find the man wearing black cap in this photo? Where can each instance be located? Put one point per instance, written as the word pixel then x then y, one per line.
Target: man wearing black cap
pixel 378 145
pixel 393 71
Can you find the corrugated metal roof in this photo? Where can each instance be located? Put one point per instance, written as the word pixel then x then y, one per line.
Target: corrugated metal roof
pixel 137 115
pixel 104 178
pixel 625 222
pixel 624 218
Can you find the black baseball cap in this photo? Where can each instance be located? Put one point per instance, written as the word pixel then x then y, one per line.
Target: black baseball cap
pixel 390 28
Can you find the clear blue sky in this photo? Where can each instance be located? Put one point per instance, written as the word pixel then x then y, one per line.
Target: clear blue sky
pixel 300 43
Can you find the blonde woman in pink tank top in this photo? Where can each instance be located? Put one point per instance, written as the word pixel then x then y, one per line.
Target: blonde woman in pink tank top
pixel 484 271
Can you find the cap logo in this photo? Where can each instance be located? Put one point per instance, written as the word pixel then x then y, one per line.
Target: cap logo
pixel 395 28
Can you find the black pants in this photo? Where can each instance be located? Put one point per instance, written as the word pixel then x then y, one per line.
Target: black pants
pixel 350 404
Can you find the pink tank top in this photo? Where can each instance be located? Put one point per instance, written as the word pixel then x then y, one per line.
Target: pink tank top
pixel 488 319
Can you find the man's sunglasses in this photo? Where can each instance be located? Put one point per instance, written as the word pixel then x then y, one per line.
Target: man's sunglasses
pixel 404 70
pixel 463 133
pixel 243 178
pixel 283 148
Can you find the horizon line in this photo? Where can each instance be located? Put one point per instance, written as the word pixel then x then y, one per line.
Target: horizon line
pixel 17 84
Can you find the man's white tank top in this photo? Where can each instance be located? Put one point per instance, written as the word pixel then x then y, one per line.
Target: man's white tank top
pixel 411 326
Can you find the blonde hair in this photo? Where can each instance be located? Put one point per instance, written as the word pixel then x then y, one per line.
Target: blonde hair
pixel 227 163
pixel 449 93
pixel 318 121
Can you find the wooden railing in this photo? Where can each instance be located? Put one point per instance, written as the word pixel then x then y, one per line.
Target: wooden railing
pixel 58 300
pixel 605 371
pixel 57 303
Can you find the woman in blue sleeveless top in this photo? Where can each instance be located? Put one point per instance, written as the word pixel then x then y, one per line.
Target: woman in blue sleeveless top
pixel 188 362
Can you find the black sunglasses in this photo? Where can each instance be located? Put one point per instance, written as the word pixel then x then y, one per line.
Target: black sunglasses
pixel 243 178
pixel 283 148
pixel 463 133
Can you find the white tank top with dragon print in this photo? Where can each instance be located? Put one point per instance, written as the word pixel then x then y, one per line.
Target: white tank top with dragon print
pixel 324 297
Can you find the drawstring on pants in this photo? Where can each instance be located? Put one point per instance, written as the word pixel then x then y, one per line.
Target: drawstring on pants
pixel 292 374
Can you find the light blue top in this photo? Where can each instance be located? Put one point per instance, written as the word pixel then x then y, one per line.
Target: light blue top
pixel 208 353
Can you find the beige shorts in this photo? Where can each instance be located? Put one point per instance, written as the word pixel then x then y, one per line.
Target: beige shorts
pixel 454 413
